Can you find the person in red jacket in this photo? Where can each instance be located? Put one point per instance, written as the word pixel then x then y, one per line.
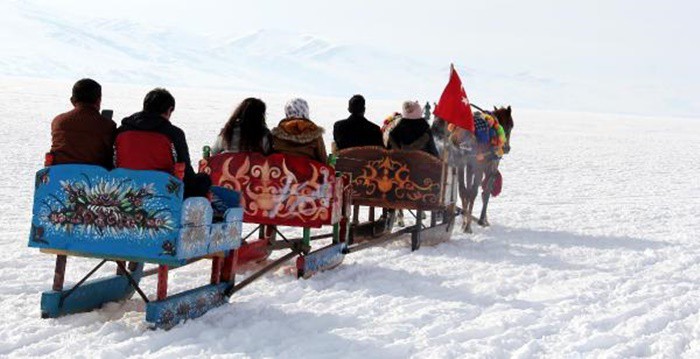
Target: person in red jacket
pixel 147 140
pixel 82 135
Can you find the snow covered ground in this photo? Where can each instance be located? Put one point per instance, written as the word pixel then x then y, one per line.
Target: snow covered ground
pixel 593 252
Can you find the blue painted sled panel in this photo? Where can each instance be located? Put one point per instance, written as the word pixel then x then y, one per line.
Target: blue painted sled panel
pixel 138 215
pixel 194 235
pixel 199 236
pixel 227 235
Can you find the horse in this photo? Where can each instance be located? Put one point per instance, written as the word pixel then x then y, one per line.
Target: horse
pixel 474 162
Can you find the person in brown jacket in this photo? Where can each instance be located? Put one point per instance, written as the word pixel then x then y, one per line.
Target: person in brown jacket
pixel 82 135
pixel 297 134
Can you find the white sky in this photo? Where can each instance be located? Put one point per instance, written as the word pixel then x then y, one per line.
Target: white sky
pixel 648 45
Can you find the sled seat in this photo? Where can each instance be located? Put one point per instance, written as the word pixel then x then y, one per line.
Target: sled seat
pixel 398 179
pixel 279 189
pixel 126 214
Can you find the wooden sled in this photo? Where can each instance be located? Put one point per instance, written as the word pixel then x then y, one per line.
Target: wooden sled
pixel 285 190
pixel 399 180
pixel 130 216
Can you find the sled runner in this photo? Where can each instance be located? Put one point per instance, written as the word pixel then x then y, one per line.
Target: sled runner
pixel 130 216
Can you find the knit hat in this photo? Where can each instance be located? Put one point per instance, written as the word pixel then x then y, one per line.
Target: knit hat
pixel 356 105
pixel 297 108
pixel 412 110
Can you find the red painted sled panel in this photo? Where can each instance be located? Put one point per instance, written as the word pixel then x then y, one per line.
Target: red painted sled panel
pixel 279 189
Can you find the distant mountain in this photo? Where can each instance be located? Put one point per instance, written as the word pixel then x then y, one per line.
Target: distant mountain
pixel 264 60
pixel 35 43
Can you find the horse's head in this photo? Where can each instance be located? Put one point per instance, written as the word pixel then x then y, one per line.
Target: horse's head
pixel 505 119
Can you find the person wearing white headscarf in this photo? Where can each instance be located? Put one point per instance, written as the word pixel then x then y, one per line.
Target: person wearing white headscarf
pixel 297 134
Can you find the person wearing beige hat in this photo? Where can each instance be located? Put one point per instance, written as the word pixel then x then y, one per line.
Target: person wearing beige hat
pixel 413 132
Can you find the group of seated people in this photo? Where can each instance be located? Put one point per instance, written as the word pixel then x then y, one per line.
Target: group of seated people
pixel 147 140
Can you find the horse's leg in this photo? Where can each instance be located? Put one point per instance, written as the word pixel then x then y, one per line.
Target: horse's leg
pixel 470 195
pixel 399 219
pixel 463 195
pixel 474 174
pixel 490 172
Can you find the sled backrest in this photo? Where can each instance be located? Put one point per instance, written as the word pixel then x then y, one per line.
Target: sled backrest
pixel 397 179
pixel 144 150
pixel 125 214
pixel 279 189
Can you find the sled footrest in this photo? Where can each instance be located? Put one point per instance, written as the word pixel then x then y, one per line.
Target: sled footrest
pixel 88 295
pixel 323 259
pixel 440 233
pixel 166 313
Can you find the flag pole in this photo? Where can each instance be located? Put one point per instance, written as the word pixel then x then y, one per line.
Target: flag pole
pixel 477 107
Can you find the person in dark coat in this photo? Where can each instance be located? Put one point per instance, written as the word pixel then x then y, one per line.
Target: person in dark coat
pixel 148 140
pixel 356 130
pixel 82 135
pixel 413 132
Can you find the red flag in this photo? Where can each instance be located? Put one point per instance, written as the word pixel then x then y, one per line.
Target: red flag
pixel 454 105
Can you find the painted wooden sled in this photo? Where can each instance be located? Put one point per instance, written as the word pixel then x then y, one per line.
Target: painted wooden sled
pixel 396 180
pixel 285 190
pixel 136 217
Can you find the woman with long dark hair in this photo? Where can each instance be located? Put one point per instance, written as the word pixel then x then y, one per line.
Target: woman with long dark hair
pixel 245 130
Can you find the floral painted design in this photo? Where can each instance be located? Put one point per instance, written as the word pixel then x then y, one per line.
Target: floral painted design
pixel 107 207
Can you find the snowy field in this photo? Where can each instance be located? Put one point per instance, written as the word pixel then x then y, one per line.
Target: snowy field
pixel 593 252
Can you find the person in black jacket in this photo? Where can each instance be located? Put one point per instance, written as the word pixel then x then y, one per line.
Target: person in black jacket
pixel 356 130
pixel 413 132
pixel 158 106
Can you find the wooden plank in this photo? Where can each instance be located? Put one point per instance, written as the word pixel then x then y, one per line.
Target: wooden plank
pixel 59 272
pixel 216 266
pixel 162 291
pixel 228 271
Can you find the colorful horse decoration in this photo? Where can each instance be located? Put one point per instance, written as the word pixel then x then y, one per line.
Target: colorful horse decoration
pixel 476 157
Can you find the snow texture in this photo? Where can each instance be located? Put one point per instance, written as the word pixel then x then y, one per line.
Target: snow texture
pixel 592 252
